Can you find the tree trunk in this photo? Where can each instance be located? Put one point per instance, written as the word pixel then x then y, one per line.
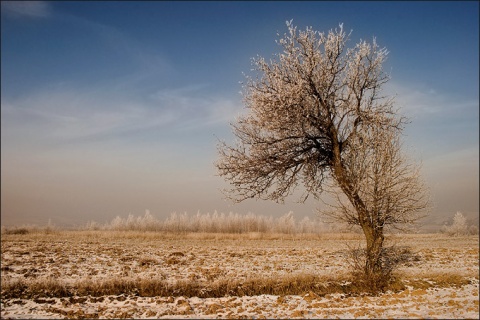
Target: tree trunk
pixel 373 233
pixel 373 265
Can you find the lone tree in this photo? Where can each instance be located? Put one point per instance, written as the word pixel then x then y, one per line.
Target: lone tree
pixel 316 117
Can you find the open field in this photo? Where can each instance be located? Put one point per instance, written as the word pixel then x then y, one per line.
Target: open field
pixel 109 274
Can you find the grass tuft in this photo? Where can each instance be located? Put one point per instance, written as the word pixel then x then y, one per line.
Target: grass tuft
pixel 298 284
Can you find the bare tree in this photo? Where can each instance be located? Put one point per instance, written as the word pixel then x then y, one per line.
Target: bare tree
pixel 316 118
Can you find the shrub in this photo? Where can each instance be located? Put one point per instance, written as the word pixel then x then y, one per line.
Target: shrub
pixel 473 230
pixel 390 258
pixel 21 230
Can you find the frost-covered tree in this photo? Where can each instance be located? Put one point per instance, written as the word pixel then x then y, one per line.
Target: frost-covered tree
pixel 459 226
pixel 316 117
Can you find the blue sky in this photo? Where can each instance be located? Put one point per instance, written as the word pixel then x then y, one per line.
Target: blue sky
pixel 110 108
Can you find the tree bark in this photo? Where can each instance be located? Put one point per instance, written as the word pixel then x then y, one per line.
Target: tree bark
pixel 373 265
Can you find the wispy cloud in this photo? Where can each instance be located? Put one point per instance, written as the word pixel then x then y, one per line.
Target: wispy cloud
pixel 197 107
pixel 36 9
pixel 73 115
pixel 66 117
pixel 422 102
pixel 442 123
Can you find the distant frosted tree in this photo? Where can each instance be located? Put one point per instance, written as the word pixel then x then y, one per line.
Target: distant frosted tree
pixel 118 224
pixel 459 226
pixel 305 225
pixel 286 223
pixel 316 117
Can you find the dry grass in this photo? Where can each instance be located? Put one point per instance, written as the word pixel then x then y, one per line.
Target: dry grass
pixel 299 284
pixel 437 279
pixel 291 285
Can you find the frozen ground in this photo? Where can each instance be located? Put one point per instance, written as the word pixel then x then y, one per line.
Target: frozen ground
pixel 444 303
pixel 96 256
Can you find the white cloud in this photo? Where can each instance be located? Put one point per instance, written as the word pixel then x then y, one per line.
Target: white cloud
pixel 36 9
pixel 424 102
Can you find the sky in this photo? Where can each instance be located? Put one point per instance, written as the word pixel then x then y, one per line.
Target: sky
pixel 112 108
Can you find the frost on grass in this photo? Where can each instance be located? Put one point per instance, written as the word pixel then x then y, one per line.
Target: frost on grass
pixel 105 274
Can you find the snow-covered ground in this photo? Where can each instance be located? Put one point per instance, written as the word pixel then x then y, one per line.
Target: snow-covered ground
pixel 72 257
pixel 441 303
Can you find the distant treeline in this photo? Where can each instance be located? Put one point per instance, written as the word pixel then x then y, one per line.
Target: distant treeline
pixel 215 223
pixel 231 223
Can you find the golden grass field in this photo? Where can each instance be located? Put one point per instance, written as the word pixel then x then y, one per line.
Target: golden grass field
pixel 109 274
